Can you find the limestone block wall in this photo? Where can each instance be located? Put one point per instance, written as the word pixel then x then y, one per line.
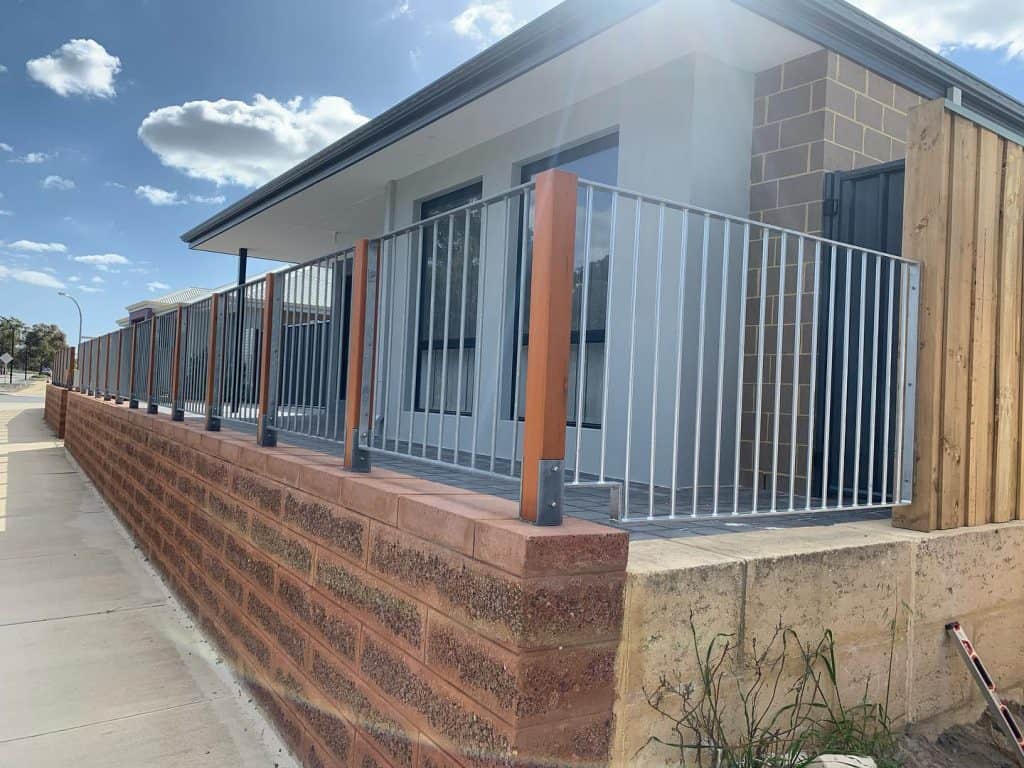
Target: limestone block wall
pixel 55 407
pixel 379 620
pixel 854 579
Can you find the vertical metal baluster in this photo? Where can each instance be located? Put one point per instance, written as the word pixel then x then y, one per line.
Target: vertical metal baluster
pixel 740 360
pixel 760 368
pixel 319 337
pixel 607 314
pixel 462 339
pixel 813 377
pixel 308 368
pixel 846 373
pixel 657 351
pixel 632 364
pixel 415 246
pixel 481 269
pixel 780 331
pixel 897 475
pixel 581 352
pixel 858 423
pixel 889 322
pixel 874 380
pixel 701 312
pixel 519 333
pixel 829 354
pixel 443 399
pixel 428 402
pixel 722 319
pixel 684 236
pixel 794 410
pixel 499 347
pixel 387 342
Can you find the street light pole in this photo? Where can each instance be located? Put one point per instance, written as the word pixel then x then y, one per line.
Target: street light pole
pixel 79 308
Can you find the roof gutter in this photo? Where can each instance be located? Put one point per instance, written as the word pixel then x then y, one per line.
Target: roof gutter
pixel 837 25
pixel 560 29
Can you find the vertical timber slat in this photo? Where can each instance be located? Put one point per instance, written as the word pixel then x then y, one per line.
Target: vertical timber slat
pixel 925 231
pixel 983 330
pixel 961 246
pixel 1008 371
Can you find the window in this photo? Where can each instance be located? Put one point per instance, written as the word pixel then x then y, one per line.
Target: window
pixel 598 161
pixel 443 344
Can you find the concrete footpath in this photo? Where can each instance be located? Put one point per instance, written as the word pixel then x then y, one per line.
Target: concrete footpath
pixel 98 665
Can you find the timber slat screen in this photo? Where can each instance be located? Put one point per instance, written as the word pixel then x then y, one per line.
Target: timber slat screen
pixel 964 213
pixel 688 362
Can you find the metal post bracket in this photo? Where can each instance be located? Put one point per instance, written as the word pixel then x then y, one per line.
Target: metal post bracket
pixel 550 492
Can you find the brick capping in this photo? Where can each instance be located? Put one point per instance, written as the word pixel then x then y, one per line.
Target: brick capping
pixel 380 619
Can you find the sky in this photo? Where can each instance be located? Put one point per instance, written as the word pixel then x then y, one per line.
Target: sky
pixel 125 123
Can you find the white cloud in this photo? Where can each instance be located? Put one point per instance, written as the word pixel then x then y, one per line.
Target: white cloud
pixel 485 22
pixel 3 69
pixel 6 147
pixel 77 67
pixel 6 212
pixel 31 277
pixel 58 182
pixel 97 279
pixel 156 285
pixel 235 142
pixel 114 185
pixel 402 9
pixel 32 158
pixel 74 279
pixel 104 262
pixel 31 246
pixel 986 24
pixel 89 289
pixel 158 196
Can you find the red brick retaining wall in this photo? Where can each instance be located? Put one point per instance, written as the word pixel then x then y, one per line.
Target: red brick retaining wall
pixel 55 408
pixel 379 620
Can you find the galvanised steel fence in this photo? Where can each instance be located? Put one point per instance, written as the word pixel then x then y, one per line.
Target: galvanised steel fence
pixel 194 356
pixel 568 334
pixel 62 369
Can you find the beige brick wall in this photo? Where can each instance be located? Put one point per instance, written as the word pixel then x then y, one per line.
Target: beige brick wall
pixel 813 115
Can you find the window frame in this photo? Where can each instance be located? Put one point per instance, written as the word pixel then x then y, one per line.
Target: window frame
pixel 554 159
pixel 463 194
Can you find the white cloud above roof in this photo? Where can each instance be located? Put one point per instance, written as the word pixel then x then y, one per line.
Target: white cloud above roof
pixel 30 277
pixel 58 183
pixel 246 143
pixel 158 196
pixel 486 22
pixel 946 24
pixel 79 67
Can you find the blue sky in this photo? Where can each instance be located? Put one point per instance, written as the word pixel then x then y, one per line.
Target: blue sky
pixel 122 124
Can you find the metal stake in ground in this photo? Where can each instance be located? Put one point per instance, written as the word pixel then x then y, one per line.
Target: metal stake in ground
pixel 997 709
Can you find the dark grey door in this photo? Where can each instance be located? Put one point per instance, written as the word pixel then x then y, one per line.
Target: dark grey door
pixel 863 208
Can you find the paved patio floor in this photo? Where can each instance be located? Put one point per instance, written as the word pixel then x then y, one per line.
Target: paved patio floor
pixel 99 667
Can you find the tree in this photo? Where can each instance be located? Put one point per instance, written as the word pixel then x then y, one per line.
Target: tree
pixel 42 342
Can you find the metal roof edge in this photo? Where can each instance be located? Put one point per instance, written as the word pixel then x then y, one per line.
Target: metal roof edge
pixel 560 29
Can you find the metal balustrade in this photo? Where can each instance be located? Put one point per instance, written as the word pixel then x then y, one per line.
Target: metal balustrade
pixel 312 315
pixel 439 393
pixel 140 389
pixel 195 356
pixel 709 364
pixel 62 367
pixel 163 356
pixel 758 369
pixel 240 331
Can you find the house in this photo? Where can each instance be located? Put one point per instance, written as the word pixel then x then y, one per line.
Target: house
pixel 140 310
pixel 796 119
